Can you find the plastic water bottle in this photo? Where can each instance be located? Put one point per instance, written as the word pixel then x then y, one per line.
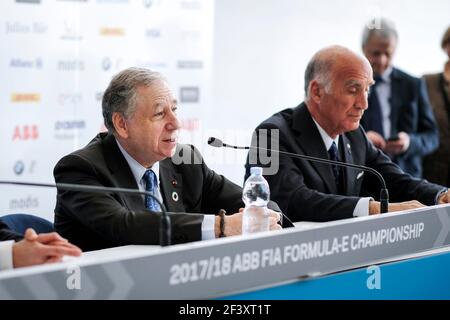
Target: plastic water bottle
pixel 256 195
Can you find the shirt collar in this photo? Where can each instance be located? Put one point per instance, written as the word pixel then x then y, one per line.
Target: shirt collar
pixel 137 169
pixel 327 140
pixel 386 76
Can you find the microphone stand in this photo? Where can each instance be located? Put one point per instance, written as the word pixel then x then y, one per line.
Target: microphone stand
pixel 384 193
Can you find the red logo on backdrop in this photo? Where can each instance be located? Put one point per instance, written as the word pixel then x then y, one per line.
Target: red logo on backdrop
pixel 25 132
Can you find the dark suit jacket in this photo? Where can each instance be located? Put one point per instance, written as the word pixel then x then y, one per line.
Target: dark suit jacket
pixel 436 166
pixel 306 191
pixel 96 221
pixel 6 234
pixel 410 112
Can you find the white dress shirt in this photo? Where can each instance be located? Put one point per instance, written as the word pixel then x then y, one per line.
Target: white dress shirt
pixel 6 255
pixel 138 172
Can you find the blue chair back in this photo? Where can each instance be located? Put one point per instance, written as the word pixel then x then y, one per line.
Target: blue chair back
pixel 19 222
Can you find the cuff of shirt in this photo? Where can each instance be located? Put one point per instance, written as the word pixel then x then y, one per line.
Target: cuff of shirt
pixel 436 200
pixel 208 225
pixel 6 254
pixel 362 207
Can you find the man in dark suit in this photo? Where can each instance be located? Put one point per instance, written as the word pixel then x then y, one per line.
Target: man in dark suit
pixel 32 249
pixel 400 119
pixel 140 151
pixel 326 126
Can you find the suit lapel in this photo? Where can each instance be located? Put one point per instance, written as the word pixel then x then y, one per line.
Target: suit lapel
pixel 121 172
pixel 310 142
pixel 171 186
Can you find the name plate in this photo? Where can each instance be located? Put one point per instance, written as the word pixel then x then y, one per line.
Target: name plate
pixel 215 268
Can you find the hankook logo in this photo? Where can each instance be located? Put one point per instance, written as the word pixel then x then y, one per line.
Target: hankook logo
pixel 25 97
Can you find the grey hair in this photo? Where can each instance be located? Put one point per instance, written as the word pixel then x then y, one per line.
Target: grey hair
pixel 318 69
pixel 120 96
pixel 380 27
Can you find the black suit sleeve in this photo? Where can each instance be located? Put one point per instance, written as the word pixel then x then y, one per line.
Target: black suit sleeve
pixel 107 214
pixel 296 187
pixel 7 234
pixel 401 186
pixel 425 139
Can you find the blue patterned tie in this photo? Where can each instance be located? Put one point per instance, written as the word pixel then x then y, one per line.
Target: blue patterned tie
pixel 151 185
pixel 333 153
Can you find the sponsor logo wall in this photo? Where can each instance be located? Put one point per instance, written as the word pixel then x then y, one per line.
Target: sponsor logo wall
pixel 56 60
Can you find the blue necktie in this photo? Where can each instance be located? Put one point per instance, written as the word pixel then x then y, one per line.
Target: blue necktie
pixel 151 185
pixel 333 153
pixel 374 113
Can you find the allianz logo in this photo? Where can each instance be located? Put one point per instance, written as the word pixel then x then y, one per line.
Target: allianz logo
pixel 26 63
pixel 70 125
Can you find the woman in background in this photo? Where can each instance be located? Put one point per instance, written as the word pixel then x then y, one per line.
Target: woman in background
pixel 437 165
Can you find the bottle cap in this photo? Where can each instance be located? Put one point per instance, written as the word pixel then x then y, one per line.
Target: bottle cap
pixel 256 171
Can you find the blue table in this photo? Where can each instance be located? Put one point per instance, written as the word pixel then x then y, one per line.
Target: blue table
pixel 426 277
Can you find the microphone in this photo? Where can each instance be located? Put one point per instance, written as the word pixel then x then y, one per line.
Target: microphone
pixel 164 226
pixel 384 193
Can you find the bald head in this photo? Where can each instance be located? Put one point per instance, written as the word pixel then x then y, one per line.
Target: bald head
pixel 326 62
pixel 338 82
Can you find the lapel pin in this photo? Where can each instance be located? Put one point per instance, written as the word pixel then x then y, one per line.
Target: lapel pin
pixel 174 183
pixel 174 196
pixel 348 147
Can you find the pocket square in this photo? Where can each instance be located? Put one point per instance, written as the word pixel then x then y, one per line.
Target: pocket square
pixel 360 175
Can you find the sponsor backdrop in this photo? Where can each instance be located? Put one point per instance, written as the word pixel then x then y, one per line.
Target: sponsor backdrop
pixel 59 55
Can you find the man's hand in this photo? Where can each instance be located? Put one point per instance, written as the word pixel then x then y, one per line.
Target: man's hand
pixel 374 206
pixel 444 197
pixel 398 146
pixel 43 248
pixel 377 140
pixel 233 223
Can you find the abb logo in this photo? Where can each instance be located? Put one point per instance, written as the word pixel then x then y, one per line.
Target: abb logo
pixel 25 132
